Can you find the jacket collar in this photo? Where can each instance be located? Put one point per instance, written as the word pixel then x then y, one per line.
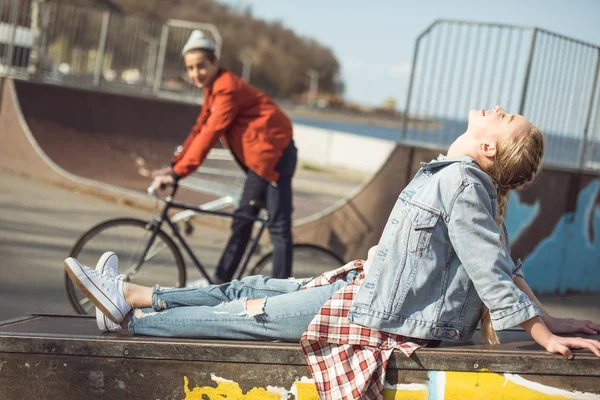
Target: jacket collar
pixel 220 72
pixel 443 161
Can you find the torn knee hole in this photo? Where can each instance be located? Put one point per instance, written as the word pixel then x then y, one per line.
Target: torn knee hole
pixel 255 307
pixel 139 313
pixel 161 304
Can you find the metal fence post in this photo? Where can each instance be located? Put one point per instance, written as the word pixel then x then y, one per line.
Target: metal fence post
pixel 14 13
pixel 582 146
pixel 101 48
pixel 412 79
pixel 528 71
pixel 39 31
pixel 594 136
pixel 160 64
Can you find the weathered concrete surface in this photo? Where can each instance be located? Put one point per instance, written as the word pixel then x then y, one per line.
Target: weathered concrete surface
pixel 58 357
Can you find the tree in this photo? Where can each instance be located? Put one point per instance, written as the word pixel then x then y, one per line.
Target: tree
pixel 389 104
pixel 280 57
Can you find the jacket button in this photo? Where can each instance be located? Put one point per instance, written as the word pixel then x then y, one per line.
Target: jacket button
pixel 381 253
pixel 394 221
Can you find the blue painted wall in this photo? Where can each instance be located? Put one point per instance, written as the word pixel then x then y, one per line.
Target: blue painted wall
pixel 568 259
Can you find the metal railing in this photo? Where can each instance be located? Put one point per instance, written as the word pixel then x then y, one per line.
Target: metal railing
pixel 77 46
pixel 549 78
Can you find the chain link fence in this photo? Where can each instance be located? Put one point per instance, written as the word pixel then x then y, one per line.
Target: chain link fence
pixel 549 78
pixel 62 43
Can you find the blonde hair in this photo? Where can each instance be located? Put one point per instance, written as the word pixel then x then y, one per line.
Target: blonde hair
pixel 516 165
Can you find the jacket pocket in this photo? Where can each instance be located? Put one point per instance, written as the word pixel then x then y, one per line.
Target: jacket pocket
pixel 422 224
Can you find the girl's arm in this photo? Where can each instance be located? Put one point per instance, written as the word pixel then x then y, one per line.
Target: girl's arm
pixel 557 325
pixel 557 344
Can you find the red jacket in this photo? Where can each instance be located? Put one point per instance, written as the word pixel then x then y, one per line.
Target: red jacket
pixel 248 122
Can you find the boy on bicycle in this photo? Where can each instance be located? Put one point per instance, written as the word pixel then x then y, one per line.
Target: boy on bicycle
pixel 258 134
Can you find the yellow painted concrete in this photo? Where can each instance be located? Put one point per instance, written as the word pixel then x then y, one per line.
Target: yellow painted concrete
pixel 458 386
pixel 401 394
pixel 227 390
pixel 306 391
pixel 488 385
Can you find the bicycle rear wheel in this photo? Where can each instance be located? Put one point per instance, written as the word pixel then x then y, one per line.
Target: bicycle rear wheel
pixel 309 260
pixel 127 237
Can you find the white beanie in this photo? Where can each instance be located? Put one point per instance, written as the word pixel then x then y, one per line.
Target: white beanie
pixel 198 40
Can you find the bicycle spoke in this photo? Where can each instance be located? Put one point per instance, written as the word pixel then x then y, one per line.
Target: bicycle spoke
pixel 154 250
pixel 128 238
pixel 138 245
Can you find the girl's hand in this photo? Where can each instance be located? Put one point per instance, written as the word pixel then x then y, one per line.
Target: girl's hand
pixel 571 325
pixel 563 345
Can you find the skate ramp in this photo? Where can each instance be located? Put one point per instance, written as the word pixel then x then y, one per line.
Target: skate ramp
pixel 91 141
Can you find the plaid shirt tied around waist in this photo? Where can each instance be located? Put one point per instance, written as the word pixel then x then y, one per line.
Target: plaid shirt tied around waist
pixel 348 361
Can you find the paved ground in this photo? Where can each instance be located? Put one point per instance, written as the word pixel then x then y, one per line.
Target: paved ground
pixel 39 223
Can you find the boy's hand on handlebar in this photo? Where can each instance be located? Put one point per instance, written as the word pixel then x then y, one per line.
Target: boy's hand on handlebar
pixel 563 345
pixel 162 181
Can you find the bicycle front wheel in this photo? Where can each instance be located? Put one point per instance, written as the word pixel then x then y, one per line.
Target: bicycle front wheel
pixel 309 260
pixel 128 238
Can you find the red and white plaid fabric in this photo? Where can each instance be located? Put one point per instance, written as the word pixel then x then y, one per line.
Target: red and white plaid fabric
pixel 348 361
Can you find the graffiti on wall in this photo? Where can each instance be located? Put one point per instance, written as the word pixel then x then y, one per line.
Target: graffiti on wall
pixel 441 385
pixel 568 258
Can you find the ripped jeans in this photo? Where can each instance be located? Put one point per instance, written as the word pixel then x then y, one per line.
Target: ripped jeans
pixel 219 311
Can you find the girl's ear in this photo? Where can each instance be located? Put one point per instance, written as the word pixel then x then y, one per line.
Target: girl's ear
pixel 488 149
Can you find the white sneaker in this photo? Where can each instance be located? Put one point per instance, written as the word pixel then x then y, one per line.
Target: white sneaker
pixel 108 265
pixel 106 293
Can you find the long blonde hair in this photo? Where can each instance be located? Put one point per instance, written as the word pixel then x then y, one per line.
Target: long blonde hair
pixel 516 165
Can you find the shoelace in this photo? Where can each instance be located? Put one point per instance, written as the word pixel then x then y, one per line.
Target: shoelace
pixel 120 277
pixel 103 278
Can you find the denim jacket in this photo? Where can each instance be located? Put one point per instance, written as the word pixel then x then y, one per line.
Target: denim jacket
pixel 439 257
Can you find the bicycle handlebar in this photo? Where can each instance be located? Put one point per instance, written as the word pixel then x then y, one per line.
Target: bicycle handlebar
pixel 152 189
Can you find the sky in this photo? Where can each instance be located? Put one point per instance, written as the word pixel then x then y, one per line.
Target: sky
pixel 374 39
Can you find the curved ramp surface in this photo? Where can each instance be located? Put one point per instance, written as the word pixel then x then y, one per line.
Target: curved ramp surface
pixel 90 140
pixel 355 224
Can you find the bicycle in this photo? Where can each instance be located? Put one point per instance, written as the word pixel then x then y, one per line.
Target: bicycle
pixel 139 243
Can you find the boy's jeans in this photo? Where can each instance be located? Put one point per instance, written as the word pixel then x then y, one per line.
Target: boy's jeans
pixel 219 311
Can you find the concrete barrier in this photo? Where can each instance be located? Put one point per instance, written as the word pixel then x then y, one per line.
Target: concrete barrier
pixel 330 149
pixel 65 357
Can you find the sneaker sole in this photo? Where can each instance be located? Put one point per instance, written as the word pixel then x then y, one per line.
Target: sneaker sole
pixel 100 317
pixel 81 285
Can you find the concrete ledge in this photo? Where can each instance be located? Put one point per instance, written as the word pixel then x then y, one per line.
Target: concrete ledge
pixel 64 357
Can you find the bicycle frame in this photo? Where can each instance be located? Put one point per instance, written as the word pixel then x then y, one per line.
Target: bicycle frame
pixel 164 217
